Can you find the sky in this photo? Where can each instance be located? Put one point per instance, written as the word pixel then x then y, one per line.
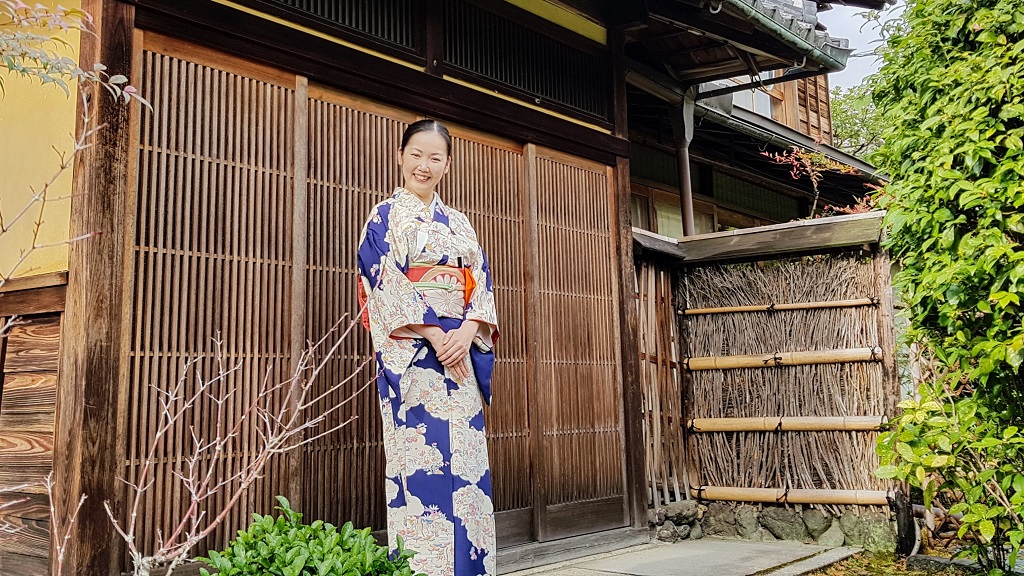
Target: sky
pixel 844 22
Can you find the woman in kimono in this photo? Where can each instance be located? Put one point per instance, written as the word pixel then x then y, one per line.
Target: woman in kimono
pixel 429 305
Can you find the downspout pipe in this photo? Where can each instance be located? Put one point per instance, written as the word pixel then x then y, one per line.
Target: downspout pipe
pixel 785 35
pixel 682 125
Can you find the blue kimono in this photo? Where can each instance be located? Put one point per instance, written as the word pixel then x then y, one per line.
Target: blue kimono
pixel 422 264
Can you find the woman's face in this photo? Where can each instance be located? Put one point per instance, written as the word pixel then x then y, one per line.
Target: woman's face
pixel 424 161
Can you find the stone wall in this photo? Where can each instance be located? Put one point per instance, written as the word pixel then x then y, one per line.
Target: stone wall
pixel 868 527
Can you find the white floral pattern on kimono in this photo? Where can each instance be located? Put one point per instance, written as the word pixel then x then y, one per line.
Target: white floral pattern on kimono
pixel 438 484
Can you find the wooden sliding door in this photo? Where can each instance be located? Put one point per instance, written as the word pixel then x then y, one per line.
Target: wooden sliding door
pixel 578 377
pixel 253 187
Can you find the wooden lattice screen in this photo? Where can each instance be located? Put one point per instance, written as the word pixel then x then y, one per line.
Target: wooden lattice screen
pixel 212 261
pixel 579 373
pixel 222 162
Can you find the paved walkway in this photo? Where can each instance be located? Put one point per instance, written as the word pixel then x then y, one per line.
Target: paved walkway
pixel 709 556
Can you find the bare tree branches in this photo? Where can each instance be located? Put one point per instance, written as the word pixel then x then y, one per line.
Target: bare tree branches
pixel 283 416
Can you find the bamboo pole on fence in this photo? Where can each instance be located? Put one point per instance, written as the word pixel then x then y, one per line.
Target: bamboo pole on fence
pixel 791 496
pixel 854 303
pixel 787 424
pixel 872 354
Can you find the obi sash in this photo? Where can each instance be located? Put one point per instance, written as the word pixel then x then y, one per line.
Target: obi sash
pixel 447 289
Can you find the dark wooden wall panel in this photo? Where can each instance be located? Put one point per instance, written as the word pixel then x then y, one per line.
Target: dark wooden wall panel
pixel 27 411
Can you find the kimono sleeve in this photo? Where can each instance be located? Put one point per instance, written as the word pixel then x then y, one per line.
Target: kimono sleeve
pixel 481 304
pixel 393 303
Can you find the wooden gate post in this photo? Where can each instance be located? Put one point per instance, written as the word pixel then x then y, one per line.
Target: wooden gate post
pixel 89 451
pixel 622 229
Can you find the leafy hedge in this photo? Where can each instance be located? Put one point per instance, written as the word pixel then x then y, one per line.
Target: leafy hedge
pixel 952 92
pixel 284 546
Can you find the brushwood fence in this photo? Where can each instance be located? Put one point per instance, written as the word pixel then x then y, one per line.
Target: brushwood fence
pixel 766 378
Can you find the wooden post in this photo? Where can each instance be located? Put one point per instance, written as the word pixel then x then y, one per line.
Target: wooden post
pixel 630 352
pixel 300 242
pixel 534 324
pixel 622 220
pixel 89 452
pixel 906 527
pixel 433 45
pixel 886 328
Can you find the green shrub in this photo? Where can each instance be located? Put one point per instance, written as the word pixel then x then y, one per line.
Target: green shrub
pixel 952 94
pixel 283 546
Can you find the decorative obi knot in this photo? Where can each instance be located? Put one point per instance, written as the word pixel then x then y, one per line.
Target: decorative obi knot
pixel 446 289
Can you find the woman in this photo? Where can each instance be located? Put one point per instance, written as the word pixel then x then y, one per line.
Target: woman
pixel 429 305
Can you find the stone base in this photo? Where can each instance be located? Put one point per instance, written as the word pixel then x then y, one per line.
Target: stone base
pixel 870 529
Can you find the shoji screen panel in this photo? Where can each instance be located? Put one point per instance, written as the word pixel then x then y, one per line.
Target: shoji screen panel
pixel 580 383
pixel 212 263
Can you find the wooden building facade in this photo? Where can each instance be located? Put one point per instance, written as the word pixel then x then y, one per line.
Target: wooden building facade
pixel 232 210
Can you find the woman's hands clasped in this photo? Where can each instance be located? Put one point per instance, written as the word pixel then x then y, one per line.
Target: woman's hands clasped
pixel 453 350
pixel 452 347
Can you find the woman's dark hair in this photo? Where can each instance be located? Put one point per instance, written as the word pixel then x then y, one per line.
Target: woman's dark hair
pixel 427 125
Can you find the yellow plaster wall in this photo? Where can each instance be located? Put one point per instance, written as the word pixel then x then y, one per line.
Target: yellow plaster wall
pixel 35 119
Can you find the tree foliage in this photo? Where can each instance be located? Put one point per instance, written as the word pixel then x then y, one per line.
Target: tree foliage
pixel 856 124
pixel 952 95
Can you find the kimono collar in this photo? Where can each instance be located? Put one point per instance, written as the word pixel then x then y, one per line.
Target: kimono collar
pixel 411 201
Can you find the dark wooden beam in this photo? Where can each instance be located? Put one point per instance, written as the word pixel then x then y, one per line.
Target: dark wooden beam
pixel 89 453
pixel 722 26
pixel 355 71
pixel 434 45
pixel 620 105
pixel 632 395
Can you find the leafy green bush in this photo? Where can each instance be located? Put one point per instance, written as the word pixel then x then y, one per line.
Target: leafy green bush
pixel 283 546
pixel 952 94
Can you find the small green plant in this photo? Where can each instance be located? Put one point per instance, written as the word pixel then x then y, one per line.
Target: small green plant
pixel 284 546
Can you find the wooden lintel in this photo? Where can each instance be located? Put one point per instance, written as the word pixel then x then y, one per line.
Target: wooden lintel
pixel 36 281
pixel 791 237
pixel 35 301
